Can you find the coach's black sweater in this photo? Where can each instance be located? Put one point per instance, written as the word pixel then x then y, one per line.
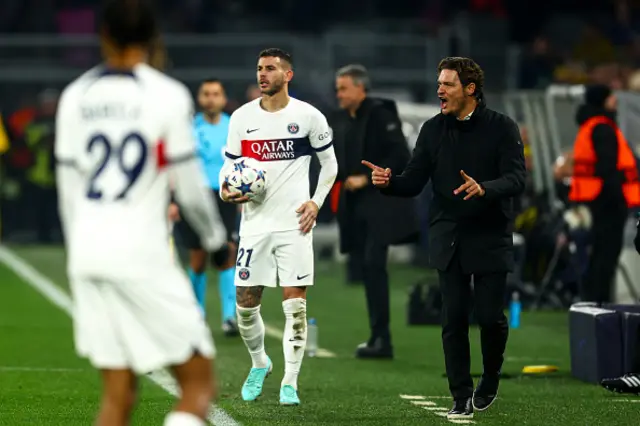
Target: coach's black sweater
pixel 488 148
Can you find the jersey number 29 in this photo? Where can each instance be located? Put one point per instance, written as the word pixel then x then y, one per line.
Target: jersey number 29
pixel 109 153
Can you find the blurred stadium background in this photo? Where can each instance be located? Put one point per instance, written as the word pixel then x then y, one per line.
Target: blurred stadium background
pixel 536 56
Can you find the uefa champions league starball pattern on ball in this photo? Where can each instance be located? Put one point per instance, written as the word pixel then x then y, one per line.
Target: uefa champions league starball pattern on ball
pixel 246 177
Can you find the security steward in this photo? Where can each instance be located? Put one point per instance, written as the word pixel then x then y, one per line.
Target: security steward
pixel 369 222
pixel 605 178
pixel 474 158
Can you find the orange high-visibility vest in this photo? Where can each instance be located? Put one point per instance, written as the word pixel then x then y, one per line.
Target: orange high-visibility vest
pixel 585 185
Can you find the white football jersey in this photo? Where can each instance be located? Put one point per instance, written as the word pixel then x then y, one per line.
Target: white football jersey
pixel 120 132
pixel 283 141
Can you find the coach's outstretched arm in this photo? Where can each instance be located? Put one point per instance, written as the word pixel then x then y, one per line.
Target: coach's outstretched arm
pixel 511 164
pixel 189 179
pixel 414 177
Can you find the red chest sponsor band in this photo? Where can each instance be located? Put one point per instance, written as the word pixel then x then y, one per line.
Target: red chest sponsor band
pixel 276 149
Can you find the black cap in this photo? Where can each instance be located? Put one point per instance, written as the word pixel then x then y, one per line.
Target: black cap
pixel 597 94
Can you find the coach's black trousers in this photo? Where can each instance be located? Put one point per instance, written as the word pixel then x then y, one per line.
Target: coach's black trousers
pixel 488 305
pixel 373 257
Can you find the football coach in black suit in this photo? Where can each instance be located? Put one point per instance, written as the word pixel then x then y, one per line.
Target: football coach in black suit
pixel 475 160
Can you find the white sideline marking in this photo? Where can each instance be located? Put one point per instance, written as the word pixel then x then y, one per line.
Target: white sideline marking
pixel 412 397
pixel 278 334
pixel 424 403
pixel 637 401
pixel 421 403
pixel 56 296
pixel 41 369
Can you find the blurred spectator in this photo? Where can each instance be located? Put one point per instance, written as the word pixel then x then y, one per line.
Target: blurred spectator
pixel 253 92
pixel 39 137
pixel 495 7
pixel 634 81
pixel 571 72
pixel 536 70
pixel 594 48
pixel 4 138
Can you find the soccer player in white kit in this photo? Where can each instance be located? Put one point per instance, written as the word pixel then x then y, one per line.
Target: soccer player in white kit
pixel 124 130
pixel 276 244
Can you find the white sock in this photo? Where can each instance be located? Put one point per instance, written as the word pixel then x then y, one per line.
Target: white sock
pixel 294 341
pixel 180 418
pixel 251 329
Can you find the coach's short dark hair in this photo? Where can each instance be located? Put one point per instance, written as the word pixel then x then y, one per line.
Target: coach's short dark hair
pixel 129 22
pixel 358 74
pixel 468 72
pixel 274 52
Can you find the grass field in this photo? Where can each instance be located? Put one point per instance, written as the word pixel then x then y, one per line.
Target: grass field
pixel 42 382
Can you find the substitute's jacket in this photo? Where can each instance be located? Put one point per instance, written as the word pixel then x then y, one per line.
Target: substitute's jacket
pixel 488 148
pixel 605 174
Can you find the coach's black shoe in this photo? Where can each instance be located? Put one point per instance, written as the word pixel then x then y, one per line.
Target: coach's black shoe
pixel 486 393
pixel 462 409
pixel 375 349
pixel 230 328
pixel 629 383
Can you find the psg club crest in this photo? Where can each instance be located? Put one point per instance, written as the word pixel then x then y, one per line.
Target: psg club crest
pixel 293 128
pixel 243 274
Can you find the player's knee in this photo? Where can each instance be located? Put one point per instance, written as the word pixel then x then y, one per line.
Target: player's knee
pixel 294 293
pixel 198 261
pixel 249 297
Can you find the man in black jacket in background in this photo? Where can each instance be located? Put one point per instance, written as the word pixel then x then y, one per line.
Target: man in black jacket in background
pixel 475 160
pixel 369 222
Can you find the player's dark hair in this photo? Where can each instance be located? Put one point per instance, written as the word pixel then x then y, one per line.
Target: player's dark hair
pixel 129 22
pixel 468 72
pixel 274 52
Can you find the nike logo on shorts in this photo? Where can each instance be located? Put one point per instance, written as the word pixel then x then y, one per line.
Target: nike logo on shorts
pixel 302 277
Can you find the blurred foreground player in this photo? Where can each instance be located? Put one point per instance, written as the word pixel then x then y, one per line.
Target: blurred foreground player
pixel 475 160
pixel 211 127
pixel 629 383
pixel 122 129
pixel 276 245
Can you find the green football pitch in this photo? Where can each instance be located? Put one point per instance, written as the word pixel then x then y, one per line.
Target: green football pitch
pixel 42 382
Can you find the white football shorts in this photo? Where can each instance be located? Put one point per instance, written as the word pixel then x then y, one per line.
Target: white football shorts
pixel 282 258
pixel 142 319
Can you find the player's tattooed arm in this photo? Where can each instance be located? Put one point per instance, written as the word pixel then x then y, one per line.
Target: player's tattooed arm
pixel 249 297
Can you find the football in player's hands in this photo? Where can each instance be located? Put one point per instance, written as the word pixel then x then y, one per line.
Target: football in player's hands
pixel 245 178
pixel 225 257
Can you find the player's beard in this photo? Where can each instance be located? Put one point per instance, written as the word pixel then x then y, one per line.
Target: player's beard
pixel 274 87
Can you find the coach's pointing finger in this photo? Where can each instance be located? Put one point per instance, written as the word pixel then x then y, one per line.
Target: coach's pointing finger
pixel 379 176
